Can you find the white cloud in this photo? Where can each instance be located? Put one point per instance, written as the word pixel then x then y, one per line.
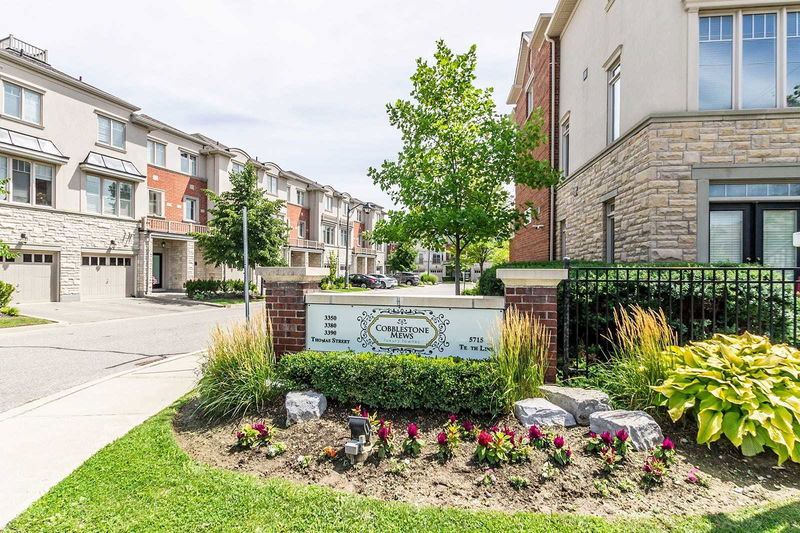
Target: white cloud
pixel 301 83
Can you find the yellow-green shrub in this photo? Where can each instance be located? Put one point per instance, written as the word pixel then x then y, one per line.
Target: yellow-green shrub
pixel 742 387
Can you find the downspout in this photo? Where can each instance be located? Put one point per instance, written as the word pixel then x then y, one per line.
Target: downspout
pixel 553 163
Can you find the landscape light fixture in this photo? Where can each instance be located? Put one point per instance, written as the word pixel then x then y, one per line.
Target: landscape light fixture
pixel 358 447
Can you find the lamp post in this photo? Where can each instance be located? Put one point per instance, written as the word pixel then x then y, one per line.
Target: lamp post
pixel 367 207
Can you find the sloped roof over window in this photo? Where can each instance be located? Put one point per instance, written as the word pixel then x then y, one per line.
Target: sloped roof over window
pixel 111 166
pixel 17 143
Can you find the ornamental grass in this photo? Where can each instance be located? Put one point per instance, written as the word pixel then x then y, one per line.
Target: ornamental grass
pixel 238 373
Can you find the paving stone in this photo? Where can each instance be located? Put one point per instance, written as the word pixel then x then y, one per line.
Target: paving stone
pixel 542 413
pixel 302 406
pixel 579 402
pixel 644 431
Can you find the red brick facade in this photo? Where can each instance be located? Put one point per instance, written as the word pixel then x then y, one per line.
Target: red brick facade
pixel 541 302
pixel 175 186
pixel 532 242
pixel 295 214
pixel 285 305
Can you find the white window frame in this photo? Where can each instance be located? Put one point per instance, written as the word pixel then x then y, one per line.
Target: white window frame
pixel 301 229
pixel 161 197
pixel 272 184
pixel 23 90
pixel 236 167
pixel 614 111
pixel 343 237
pixel 329 203
pixel 326 228
pixel 192 159
pixel 300 197
pixel 102 202
pixel 7 188
pixel 196 201
pixel 563 154
pixel 152 153
pixel 111 123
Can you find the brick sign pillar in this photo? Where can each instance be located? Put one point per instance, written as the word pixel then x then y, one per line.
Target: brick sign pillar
pixel 535 291
pixel 285 290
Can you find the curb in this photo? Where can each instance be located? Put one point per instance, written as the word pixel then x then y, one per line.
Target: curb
pixel 35 404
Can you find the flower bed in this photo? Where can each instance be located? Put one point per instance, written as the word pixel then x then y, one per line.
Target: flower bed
pixel 696 480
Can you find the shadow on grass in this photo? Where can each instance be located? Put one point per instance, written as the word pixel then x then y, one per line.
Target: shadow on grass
pixel 783 517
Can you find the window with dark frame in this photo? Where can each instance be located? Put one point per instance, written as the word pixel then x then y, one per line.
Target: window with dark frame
pixel 609 230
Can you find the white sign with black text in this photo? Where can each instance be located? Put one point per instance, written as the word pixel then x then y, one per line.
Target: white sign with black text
pixel 429 331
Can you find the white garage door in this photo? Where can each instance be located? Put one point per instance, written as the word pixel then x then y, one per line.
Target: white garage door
pixel 106 276
pixel 34 274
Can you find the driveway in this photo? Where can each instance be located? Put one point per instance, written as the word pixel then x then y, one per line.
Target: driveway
pixel 101 338
pixel 440 289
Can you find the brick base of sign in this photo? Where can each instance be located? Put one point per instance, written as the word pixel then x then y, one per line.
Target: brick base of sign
pixel 541 302
pixel 285 305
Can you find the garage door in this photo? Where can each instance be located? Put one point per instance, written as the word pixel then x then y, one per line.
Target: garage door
pixel 106 276
pixel 34 274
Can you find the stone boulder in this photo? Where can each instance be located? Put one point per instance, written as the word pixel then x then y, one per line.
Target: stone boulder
pixel 644 431
pixel 579 402
pixel 540 412
pixel 302 406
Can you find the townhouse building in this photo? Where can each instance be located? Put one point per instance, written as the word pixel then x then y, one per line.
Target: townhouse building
pixel 677 130
pixel 101 200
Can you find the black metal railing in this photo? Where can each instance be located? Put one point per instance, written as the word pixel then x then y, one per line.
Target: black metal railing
pixel 697 301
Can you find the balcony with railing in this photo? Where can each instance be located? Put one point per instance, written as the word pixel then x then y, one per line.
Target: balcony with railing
pixel 20 46
pixel 306 243
pixel 361 250
pixel 169 226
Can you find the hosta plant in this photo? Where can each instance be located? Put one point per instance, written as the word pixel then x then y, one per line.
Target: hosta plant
pixel 741 387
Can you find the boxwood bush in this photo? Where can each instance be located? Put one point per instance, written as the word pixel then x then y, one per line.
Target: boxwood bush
pixel 199 289
pixel 395 381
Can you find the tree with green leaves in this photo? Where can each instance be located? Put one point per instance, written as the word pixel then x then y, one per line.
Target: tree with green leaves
pixel 459 157
pixel 402 258
pixel 5 250
pixel 482 251
pixel 266 231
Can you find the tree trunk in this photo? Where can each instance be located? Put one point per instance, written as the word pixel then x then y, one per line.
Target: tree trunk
pixel 458 266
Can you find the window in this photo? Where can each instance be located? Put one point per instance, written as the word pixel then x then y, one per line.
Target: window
pixel 301 229
pixel 716 62
pixel 759 60
pixel 529 100
pixel 360 215
pixel 236 168
pixel 329 203
pixel 793 59
pixel 301 197
pixel 3 176
pixel 110 132
pixel 21 181
pixel 43 185
pixel 437 258
pixel 343 237
pixel 155 203
pixel 562 237
pixel 614 74
pixel 190 210
pixel 156 153
pixel 609 231
pixel 565 148
pixel 109 197
pixel 28 181
pixel 189 164
pixel 22 103
pixel 329 235
pixel 272 184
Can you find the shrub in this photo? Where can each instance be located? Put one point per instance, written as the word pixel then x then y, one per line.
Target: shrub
pixel 520 353
pixel 395 381
pixel 10 311
pixel 200 289
pixel 428 278
pixel 6 290
pixel 741 387
pixel 238 373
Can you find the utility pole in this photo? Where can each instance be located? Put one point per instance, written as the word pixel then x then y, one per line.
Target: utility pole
pixel 246 266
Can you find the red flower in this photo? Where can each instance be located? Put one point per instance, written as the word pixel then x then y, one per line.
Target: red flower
pixel 484 439
pixel 558 442
pixel 442 439
pixel 668 444
pixel 413 432
pixel 648 467
pixel 494 429
pixel 383 433
pixel 467 425
pixel 535 433
pixel 592 435
pixel 239 435
pixel 568 452
pixel 607 438
pixel 622 435
pixel 453 418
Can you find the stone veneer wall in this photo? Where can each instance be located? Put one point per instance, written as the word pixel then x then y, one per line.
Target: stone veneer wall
pixel 68 234
pixel 650 174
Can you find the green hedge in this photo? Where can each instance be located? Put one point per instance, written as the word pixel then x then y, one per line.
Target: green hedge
pixel 200 289
pixel 395 381
pixel 489 285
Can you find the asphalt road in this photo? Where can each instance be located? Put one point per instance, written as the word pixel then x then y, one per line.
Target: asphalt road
pixel 41 360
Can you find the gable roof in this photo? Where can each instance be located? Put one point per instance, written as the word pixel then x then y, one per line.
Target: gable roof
pixel 528 40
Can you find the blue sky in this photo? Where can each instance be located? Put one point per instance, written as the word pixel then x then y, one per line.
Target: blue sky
pixel 301 83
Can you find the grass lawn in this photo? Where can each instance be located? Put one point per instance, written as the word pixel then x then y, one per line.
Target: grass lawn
pixel 14 321
pixel 144 482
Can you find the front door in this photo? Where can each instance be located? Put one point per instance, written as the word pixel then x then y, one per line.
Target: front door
pixel 157 270
pixel 758 233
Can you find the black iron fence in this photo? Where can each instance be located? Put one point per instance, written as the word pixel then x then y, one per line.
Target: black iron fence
pixel 697 301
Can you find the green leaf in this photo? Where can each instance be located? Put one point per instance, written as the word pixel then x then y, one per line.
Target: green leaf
pixel 733 427
pixel 709 426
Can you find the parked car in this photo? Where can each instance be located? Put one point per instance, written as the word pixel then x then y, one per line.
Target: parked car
pixel 387 282
pixel 362 280
pixel 407 278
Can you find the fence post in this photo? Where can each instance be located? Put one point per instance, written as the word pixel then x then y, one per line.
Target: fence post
pixel 565 326
pixel 535 291
pixel 285 290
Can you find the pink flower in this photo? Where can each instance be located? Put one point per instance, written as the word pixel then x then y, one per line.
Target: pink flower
pixel 607 438
pixel 239 435
pixel 467 425
pixel 484 439
pixel 383 433
pixel 494 429
pixel 442 439
pixel 509 433
pixel 558 442
pixel 413 432
pixel 535 433
pixel 592 435
pixel 569 452
pixel 622 435
pixel 692 476
pixel 648 467
pixel 453 418
pixel 668 444
pixel 258 427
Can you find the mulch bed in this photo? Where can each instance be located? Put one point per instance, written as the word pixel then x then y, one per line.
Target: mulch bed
pixel 734 481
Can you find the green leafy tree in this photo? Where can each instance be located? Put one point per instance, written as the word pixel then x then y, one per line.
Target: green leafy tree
pixel 266 231
pixel 404 257
pixel 5 250
pixel 482 251
pixel 459 157
pixel 333 266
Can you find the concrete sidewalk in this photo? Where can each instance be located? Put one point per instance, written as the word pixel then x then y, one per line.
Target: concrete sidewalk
pixel 43 441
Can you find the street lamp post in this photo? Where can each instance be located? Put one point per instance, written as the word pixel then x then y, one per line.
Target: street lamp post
pixel 367 207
